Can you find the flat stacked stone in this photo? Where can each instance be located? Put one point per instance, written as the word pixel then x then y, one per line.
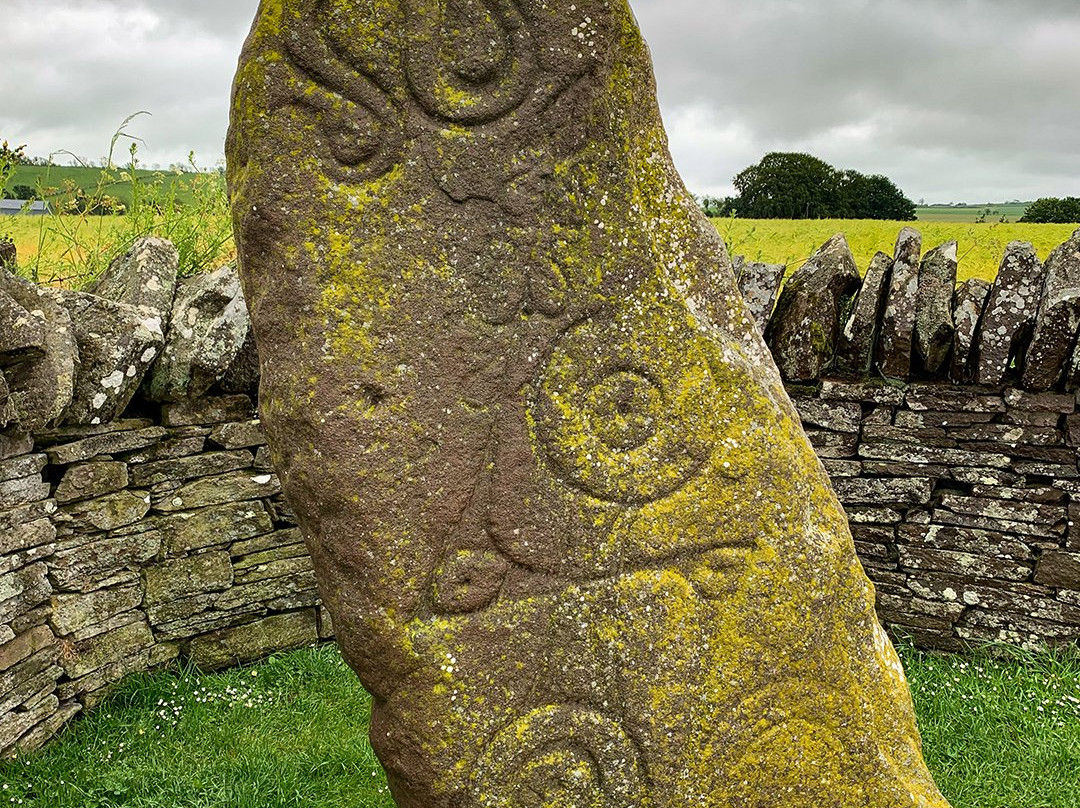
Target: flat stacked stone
pixel 117 343
pixel 1058 320
pixel 209 327
pixel 855 350
pixel 522 418
pixel 934 325
pixel 968 304
pixel 759 285
pixel 28 647
pixel 41 388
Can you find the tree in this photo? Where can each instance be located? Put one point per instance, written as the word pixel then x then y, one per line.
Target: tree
pixel 790 185
pixel 787 185
pixel 872 197
pixel 1051 210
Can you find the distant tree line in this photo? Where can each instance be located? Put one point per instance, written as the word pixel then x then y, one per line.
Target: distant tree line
pixel 1051 210
pixel 791 185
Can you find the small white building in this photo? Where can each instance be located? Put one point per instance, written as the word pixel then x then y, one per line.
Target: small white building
pixel 13 207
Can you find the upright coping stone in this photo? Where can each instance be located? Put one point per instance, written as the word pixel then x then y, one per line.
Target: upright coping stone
pixel 570 532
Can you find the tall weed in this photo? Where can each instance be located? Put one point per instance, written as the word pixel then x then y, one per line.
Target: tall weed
pixel 91 228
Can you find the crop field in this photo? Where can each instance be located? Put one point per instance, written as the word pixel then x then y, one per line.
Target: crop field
pixel 1011 211
pixel 53 183
pixel 980 246
pixel 54 246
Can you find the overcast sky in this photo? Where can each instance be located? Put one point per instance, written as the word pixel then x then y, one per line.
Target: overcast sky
pixel 955 100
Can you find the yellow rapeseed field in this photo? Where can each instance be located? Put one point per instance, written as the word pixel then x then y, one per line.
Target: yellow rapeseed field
pixel 980 246
pixel 64 250
pixel 55 244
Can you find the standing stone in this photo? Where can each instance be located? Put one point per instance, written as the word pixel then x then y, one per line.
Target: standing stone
pixel 563 515
pixel 1010 314
pixel 41 389
pixel 968 305
pixel 934 326
pixel 1058 320
pixel 898 323
pixel 759 285
pixel 209 326
pixel 804 329
pixel 855 352
pixel 117 344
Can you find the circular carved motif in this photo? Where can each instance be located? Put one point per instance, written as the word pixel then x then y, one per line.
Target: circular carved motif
pixel 624 420
pixel 469 61
pixel 556 757
pixel 353 142
pixel 468 580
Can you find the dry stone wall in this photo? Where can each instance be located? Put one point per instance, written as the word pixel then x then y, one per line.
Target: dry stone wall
pixel 128 542
pixel 126 545
pixel 964 504
pixel 947 419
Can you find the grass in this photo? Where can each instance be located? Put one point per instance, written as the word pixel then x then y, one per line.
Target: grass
pixel 998 732
pixel 980 246
pixel 191 210
pixel 289 732
pixel 68 250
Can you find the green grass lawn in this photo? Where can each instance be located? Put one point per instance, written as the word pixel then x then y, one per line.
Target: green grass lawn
pixel 999 733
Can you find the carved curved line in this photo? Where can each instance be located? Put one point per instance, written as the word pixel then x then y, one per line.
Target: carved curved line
pixel 424 71
pixel 309 49
pixel 316 62
pixel 620 778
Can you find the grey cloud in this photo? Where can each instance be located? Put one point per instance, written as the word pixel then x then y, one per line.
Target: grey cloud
pixel 950 96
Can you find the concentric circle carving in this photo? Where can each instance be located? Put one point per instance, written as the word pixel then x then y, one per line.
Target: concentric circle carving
pixel 624 420
pixel 469 62
pixel 556 757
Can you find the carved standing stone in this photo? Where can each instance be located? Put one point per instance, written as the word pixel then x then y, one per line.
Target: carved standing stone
pixel 570 532
pixel 898 324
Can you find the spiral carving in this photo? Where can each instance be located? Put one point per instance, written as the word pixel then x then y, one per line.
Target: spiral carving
pixel 469 62
pixel 560 756
pixel 357 122
pixel 625 420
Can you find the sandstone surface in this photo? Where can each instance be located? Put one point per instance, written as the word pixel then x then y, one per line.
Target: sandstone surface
pixel 569 530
